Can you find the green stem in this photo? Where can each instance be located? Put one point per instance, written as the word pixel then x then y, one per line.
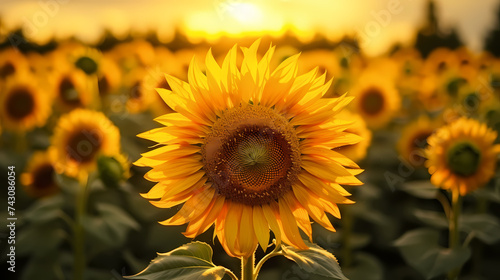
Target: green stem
pixel 247 266
pixel 231 274
pixel 276 252
pixel 78 231
pixel 21 142
pixel 347 223
pixel 445 203
pixel 454 241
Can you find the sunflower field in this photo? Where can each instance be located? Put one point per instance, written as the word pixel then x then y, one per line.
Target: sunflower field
pixel 256 156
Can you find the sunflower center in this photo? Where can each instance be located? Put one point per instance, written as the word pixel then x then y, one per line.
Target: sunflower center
pixel 136 91
pixel 6 70
pixel 43 177
pixel 20 104
pixel 83 145
pixel 251 155
pixel 68 93
pixel 372 101
pixel 87 65
pixel 463 158
pixel 103 85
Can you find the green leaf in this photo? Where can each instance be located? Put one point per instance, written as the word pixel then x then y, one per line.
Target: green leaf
pixel 484 226
pixel 432 218
pixel 45 210
pixel 365 267
pixel 421 250
pixel 43 268
pixel 189 262
pixel 421 189
pixel 488 193
pixel 111 225
pixel 40 239
pixel 315 260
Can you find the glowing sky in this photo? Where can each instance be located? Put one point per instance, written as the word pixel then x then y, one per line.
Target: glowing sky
pixel 378 23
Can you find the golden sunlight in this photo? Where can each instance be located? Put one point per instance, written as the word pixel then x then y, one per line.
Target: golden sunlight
pixel 233 18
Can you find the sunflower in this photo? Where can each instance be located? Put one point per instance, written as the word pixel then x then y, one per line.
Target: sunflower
pixel 12 62
pixel 72 90
pixel 138 98
pixel 462 155
pixel 429 95
pixel 86 59
pixel 250 150
pixel 38 179
pixel 80 137
pixel 413 139
pixel 355 152
pixel 377 100
pixel 108 77
pixel 326 62
pixel 24 105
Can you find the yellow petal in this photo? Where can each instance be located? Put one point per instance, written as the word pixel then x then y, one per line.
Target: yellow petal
pixel 246 234
pixel 289 225
pixel 192 208
pixel 261 227
pixel 272 221
pixel 232 223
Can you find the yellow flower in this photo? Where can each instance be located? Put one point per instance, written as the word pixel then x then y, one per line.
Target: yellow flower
pixel 429 95
pixel 79 138
pixel 108 77
pixel 72 90
pixel 138 97
pixel 155 78
pixel 326 62
pixel 413 140
pixel 24 104
pixel 440 60
pixel 462 155
pixel 131 55
pixel 86 59
pixel 355 152
pixel 250 150
pixel 377 100
pixel 38 179
pixel 12 62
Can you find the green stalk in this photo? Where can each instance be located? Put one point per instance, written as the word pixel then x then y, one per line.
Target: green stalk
pixel 247 266
pixel 454 241
pixel 347 224
pixel 78 232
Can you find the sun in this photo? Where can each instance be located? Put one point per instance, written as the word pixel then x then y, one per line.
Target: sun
pixel 244 13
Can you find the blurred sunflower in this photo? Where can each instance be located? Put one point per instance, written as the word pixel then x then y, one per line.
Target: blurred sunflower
pixel 132 55
pixel 413 139
pixel 377 100
pixel 152 81
pixel 12 62
pixel 326 62
pixel 71 91
pixel 462 155
pixel 440 60
pixel 139 99
pixel 429 96
pixel 23 104
pixel 250 150
pixel 108 77
pixel 409 66
pixel 355 152
pixel 39 177
pixel 87 60
pixel 80 137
